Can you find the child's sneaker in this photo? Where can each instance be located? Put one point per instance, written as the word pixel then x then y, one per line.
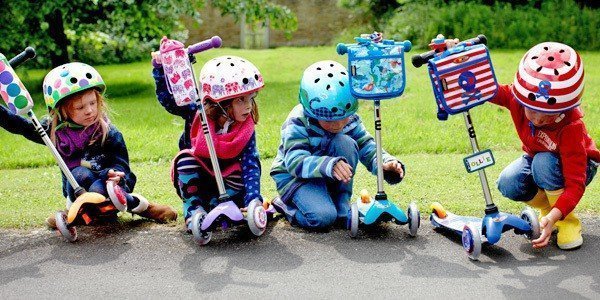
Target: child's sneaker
pixel 283 208
pixel 157 212
pixel 51 221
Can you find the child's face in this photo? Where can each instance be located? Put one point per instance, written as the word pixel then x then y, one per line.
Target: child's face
pixel 83 110
pixel 242 107
pixel 334 126
pixel 540 119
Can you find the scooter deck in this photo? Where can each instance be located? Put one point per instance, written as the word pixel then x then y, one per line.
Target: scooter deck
pixel 90 208
pixel 454 222
pixel 376 211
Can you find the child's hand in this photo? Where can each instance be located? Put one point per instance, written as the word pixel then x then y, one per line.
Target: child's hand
pixel 546 224
pixel 450 43
pixel 394 166
pixel 156 57
pixel 115 176
pixel 342 171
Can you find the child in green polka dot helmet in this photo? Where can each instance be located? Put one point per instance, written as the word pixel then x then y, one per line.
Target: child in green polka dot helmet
pixel 92 148
pixel 69 79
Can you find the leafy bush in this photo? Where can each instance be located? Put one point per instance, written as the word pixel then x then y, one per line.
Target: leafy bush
pixel 505 25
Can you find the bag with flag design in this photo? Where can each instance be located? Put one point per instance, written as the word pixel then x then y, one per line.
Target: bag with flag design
pixel 462 77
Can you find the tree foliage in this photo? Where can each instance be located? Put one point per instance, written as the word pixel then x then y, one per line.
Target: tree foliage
pixel 113 31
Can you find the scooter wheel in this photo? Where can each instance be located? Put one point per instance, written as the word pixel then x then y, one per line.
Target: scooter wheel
pixel 438 210
pixel 529 216
pixel 69 233
pixel 256 217
pixel 471 240
pixel 353 220
pixel 201 237
pixel 116 195
pixel 414 219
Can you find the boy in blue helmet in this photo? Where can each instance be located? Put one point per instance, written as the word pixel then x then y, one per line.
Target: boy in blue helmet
pixel 322 141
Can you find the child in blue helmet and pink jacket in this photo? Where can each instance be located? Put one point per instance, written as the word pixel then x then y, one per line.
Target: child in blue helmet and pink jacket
pixel 322 141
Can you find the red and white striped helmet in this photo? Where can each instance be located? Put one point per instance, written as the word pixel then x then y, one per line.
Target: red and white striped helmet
pixel 550 78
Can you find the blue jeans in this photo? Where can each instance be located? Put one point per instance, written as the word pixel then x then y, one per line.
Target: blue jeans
pixel 319 202
pixel 91 182
pixel 521 179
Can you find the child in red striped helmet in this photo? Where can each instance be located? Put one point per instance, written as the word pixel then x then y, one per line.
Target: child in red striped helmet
pixel 560 157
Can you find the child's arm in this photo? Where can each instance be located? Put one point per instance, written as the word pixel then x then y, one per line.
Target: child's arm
pixel 115 148
pixel 367 153
pixel 573 159
pixel 251 171
pixel 166 99
pixel 18 125
pixel 298 159
pixel 504 96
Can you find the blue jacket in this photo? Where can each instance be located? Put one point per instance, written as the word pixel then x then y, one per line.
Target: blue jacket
pixel 298 157
pixel 249 158
pixel 101 157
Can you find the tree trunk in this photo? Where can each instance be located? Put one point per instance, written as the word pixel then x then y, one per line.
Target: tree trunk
pixel 56 32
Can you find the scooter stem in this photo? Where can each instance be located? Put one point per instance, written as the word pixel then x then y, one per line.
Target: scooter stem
pixel 482 176
pixel 380 192
pixel 61 163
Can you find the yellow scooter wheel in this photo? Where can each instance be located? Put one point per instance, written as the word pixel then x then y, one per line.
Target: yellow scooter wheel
pixel 438 210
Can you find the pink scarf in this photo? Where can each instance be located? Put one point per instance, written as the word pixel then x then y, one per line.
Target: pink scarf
pixel 228 146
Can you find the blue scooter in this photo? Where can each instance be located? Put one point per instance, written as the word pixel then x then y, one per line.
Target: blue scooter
pixel 494 222
pixel 377 72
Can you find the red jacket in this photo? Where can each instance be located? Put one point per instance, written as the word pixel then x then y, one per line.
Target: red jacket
pixel 568 138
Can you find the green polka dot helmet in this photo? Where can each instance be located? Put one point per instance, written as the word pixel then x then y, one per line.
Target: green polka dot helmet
pixel 325 92
pixel 69 79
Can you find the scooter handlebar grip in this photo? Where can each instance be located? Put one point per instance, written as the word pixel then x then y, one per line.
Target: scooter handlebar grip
pixel 214 42
pixel 22 57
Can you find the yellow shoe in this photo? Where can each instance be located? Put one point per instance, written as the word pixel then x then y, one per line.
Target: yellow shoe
pixel 569 232
pixel 569 228
pixel 540 201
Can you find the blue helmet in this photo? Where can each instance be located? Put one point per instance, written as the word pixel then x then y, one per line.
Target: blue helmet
pixel 325 92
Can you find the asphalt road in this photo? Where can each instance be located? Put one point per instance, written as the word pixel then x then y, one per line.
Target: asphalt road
pixel 140 259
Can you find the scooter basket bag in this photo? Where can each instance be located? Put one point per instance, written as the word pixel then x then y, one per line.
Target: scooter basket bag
pixel 462 77
pixel 377 69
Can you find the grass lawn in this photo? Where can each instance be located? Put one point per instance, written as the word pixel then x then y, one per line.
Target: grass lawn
pixel 432 150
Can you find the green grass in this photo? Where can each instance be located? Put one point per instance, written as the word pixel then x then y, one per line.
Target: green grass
pixel 432 150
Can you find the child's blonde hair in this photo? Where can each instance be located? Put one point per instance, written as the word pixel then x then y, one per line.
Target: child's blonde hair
pixel 60 114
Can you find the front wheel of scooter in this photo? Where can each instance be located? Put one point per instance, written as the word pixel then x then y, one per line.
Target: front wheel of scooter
pixel 116 195
pixel 69 233
pixel 529 216
pixel 414 219
pixel 256 217
pixel 201 237
pixel 471 240
pixel 353 220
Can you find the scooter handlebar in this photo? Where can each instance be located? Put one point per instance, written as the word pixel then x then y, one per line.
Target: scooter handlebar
pixel 214 42
pixel 22 57
pixel 420 59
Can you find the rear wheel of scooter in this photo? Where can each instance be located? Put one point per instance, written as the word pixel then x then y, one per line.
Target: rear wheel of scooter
pixel 116 195
pixel 256 217
pixel 353 220
pixel 529 216
pixel 471 240
pixel 69 233
pixel 414 219
pixel 201 237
